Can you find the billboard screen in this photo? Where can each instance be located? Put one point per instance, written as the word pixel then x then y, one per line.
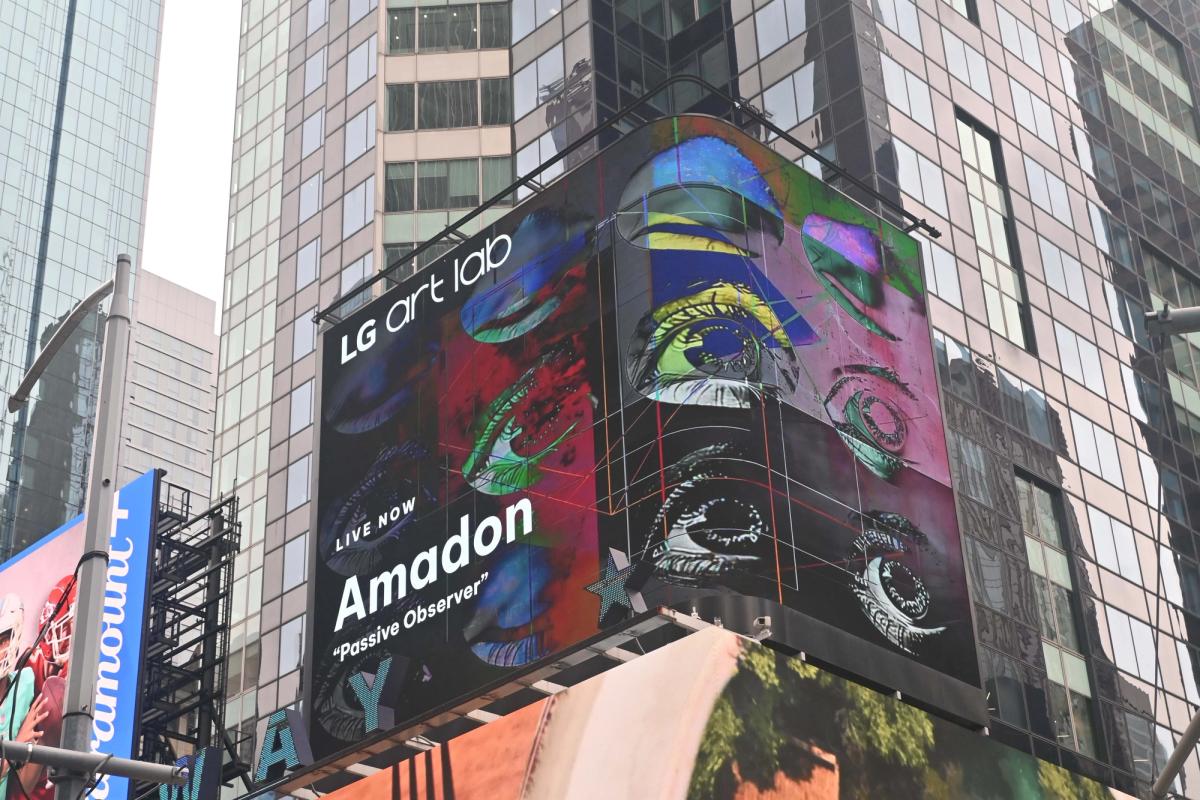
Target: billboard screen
pixel 37 620
pixel 718 716
pixel 687 367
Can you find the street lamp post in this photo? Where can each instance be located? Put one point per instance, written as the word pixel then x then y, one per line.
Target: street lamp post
pixel 73 771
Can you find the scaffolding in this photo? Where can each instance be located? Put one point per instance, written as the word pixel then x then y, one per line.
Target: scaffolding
pixel 188 620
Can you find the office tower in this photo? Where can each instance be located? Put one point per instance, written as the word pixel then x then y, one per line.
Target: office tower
pixel 167 420
pixel 76 96
pixel 1053 146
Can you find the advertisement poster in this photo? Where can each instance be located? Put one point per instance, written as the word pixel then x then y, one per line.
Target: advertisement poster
pixel 719 717
pixel 38 596
pixel 687 367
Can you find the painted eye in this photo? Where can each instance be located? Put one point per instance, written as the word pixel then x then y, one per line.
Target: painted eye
pixel 391 490
pixel 711 522
pixel 846 260
pixel 508 626
pixel 870 407
pixel 719 346
pixel 548 258
pixel 526 424
pixel 370 392
pixel 892 595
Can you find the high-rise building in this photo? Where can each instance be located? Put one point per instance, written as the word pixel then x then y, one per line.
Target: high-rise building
pixel 76 97
pixel 1053 145
pixel 167 420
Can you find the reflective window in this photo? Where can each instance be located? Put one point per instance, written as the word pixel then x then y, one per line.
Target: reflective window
pixel 907 92
pixel 1114 545
pixel 300 410
pixel 310 197
pixel 967 64
pixel 1033 112
pixel 298 482
pixel 448 184
pixel 1047 190
pixel 1096 449
pixel 402 106
pixel 304 335
pixel 1133 644
pixel 447 28
pixel 318 14
pixel 778 22
pixel 493 26
pixel 497 176
pixel 495 100
pixel 529 14
pixel 360 64
pixel 538 82
pixel 920 178
pixel 447 104
pixel 307 262
pixel 400 187
pixel 967 8
pixel 535 154
pixel 798 96
pixel 941 272
pixel 1019 38
pixel 359 9
pixel 901 17
pixel 1064 273
pixel 291 645
pixel 314 72
pixel 1004 289
pixel 360 134
pixel 312 133
pixel 358 206
pixel 295 558
pixel 1079 358
pixel 402 31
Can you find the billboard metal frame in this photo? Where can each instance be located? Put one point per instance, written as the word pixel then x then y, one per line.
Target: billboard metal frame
pixel 331 313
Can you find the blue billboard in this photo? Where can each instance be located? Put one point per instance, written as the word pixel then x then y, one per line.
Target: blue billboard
pixel 37 621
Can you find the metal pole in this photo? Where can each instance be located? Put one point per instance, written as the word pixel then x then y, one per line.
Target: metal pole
pixel 212 620
pixel 57 758
pixel 1187 743
pixel 93 569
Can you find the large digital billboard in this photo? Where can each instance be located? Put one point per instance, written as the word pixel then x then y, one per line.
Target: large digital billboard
pixel 719 717
pixel 38 594
pixel 686 368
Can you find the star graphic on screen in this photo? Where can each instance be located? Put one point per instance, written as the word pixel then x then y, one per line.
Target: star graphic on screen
pixel 611 587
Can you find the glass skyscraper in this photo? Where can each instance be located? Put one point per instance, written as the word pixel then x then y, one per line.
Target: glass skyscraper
pixel 77 85
pixel 1054 144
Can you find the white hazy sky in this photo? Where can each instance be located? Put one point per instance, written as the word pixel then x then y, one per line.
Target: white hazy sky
pixel 188 198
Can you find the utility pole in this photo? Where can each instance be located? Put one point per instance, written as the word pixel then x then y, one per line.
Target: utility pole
pixel 74 763
pixel 79 701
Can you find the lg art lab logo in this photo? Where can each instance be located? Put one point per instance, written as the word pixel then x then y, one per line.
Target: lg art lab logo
pixel 466 272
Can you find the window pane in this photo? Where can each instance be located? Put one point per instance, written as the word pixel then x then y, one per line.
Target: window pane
pixel 432 187
pixel 301 408
pixel 496 101
pixel 493 25
pixel 360 65
pixel 398 193
pixel 402 30
pixel 447 104
pixel 297 483
pixel 306 263
pixel 447 28
pixel 401 106
pixel 464 183
pixel 497 175
pixel 294 556
pixel 310 197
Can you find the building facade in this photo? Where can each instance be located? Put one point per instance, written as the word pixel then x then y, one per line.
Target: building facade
pixel 76 94
pixel 1053 144
pixel 167 420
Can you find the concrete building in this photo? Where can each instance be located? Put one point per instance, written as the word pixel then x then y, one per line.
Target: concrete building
pixel 1054 144
pixel 167 421
pixel 76 96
